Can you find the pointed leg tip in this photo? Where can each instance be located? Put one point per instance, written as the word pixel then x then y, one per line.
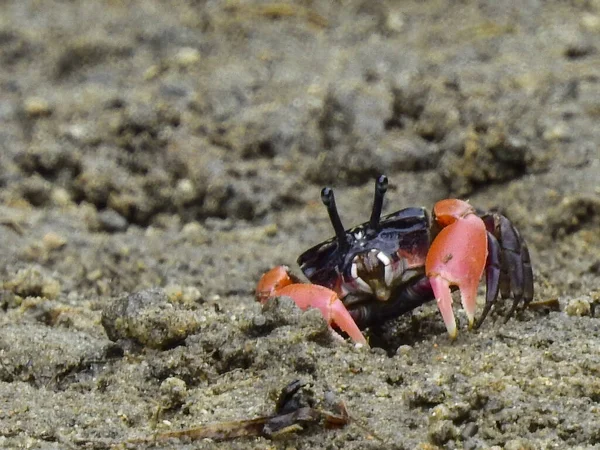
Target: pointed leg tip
pixel 445 307
pixel 452 332
pixel 361 344
pixel 468 299
pixel 472 323
pixel 449 320
pixel 359 340
pixel 470 318
pixel 340 316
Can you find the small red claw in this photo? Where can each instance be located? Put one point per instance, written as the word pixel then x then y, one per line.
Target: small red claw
pixel 274 279
pixel 277 282
pixel 325 300
pixel 456 257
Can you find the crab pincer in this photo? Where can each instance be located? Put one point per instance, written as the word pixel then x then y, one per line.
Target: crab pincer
pixel 277 282
pixel 457 257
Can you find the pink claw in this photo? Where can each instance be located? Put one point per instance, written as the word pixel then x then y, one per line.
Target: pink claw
pixel 277 282
pixel 456 257
pixel 325 300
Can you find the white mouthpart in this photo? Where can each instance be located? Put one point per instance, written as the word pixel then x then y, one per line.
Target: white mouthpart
pixel 383 258
pixel 362 284
pixel 354 271
pixel 387 268
pixel 389 275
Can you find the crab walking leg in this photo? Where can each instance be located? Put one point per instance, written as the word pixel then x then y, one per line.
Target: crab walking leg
pixel 457 257
pixel 325 300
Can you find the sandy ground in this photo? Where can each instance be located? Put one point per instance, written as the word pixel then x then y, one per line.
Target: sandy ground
pixel 157 157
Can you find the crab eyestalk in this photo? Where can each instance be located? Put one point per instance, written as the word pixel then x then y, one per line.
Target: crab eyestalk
pixel 328 200
pixel 381 185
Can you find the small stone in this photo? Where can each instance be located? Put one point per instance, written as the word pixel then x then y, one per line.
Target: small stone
pixel 174 391
pixel 187 56
pixel 152 72
pixel 440 412
pixel 36 190
pixel 469 430
pixel 149 319
pixel 579 307
pixel 270 230
pixel 441 432
pixel 590 22
pixel 76 132
pixel 192 229
pixel 403 350
pixel 112 221
pixel 183 294
pixel 82 133
pixel 53 241
pixel 195 233
pixel 382 392
pixel 518 444
pixel 259 321
pixel 60 197
pixel 395 21
pixel 94 275
pixel 191 294
pixel 425 394
pixel 185 191
pixel 557 132
pixel 37 107
pixel 33 282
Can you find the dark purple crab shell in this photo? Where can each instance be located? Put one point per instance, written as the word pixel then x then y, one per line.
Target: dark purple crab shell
pixel 402 236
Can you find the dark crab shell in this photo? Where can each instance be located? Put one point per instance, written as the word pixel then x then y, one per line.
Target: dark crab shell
pixel 404 236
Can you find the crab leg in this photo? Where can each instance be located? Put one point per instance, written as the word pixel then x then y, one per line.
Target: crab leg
pixel 456 257
pixel 278 282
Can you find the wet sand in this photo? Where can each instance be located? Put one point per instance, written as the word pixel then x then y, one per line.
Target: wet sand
pixel 156 159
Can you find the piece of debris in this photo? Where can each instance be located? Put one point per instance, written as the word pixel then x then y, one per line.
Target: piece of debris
pixel 293 412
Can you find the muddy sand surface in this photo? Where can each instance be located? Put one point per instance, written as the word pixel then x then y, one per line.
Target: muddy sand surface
pixel 157 157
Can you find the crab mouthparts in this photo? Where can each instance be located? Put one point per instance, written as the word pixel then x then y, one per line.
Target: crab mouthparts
pixel 381 290
pixel 373 274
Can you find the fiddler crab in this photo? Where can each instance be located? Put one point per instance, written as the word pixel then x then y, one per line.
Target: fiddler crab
pixel 392 264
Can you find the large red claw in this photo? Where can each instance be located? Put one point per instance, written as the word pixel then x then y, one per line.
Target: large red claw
pixel 277 282
pixel 456 257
